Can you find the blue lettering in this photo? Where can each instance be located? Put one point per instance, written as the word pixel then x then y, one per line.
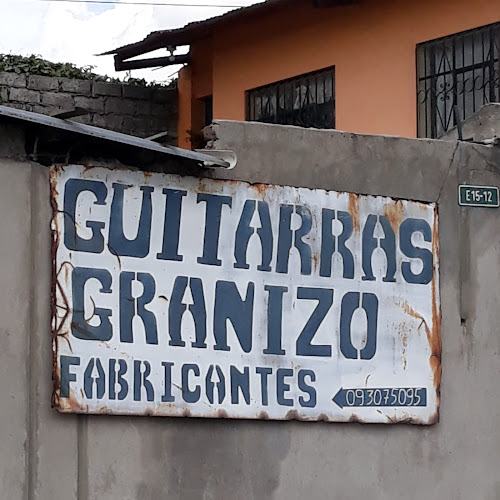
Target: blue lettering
pixel 350 302
pixel 328 243
pixel 213 213
pixel 72 190
pixel 190 396
pixel 406 230
pixel 324 296
pixel 118 243
pixel 129 307
pixel 308 389
pixel 66 376
pixel 172 224
pixel 79 326
pixel 240 381
pixel 282 387
pixel 230 306
pixel 141 380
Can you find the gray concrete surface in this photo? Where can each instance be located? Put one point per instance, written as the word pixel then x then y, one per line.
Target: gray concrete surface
pixel 481 126
pixel 46 456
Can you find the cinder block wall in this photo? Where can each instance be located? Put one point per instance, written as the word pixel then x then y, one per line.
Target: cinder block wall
pixel 130 109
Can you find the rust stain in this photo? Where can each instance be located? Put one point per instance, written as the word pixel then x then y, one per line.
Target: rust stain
pixel 434 334
pixel 88 166
pixel 353 209
pixel 55 401
pixel 186 412
pixel 404 335
pixel 203 186
pixel 260 189
pixel 292 415
pixel 263 415
pixel 434 418
pixel 221 414
pixel 72 404
pixel 315 260
pixel 435 342
pixel 395 213
pixel 355 419
pixel 414 314
pixel 57 324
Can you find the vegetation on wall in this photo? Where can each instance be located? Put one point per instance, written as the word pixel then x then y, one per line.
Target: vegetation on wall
pixel 36 65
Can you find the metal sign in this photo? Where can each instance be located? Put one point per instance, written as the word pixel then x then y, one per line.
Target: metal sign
pixel 478 196
pixel 196 297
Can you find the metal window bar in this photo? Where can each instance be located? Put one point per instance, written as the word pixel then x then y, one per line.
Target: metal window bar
pixel 306 101
pixel 461 72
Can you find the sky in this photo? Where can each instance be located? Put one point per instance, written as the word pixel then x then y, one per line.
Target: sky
pixel 75 32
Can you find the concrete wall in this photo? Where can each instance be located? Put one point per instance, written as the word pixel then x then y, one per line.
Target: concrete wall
pixel 130 109
pixel 45 455
pixel 481 126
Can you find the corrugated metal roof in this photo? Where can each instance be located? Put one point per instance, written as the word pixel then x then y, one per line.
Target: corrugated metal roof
pixel 109 135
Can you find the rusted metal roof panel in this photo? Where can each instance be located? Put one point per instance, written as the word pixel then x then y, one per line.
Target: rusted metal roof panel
pixel 180 296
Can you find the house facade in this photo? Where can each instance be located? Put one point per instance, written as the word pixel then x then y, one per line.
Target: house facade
pixel 392 67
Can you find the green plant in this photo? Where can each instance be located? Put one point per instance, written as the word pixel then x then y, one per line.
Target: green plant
pixel 36 65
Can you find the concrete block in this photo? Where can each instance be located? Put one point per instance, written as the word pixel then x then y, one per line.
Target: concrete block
pixel 4 94
pixel 87 119
pixel 75 86
pixel 12 79
pixel 134 125
pixel 164 111
pixel 37 82
pixel 47 110
pixel 110 122
pixel 93 104
pixel 159 110
pixel 62 101
pixel 137 92
pixel 18 105
pixel 144 107
pixel 107 89
pixel 24 95
pixel 121 106
pixel 164 95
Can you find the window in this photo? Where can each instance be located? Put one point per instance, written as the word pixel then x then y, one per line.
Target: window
pixel 456 76
pixel 307 101
pixel 208 110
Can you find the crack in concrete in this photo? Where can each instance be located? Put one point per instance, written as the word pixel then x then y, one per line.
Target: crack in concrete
pixel 448 171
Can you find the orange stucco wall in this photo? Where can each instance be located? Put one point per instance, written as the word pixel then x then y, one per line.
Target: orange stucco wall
pixel 372 46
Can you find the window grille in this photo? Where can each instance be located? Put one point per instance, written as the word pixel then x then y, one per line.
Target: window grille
pixel 457 75
pixel 307 101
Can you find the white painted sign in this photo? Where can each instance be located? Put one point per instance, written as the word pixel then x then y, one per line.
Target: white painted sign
pixel 195 297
